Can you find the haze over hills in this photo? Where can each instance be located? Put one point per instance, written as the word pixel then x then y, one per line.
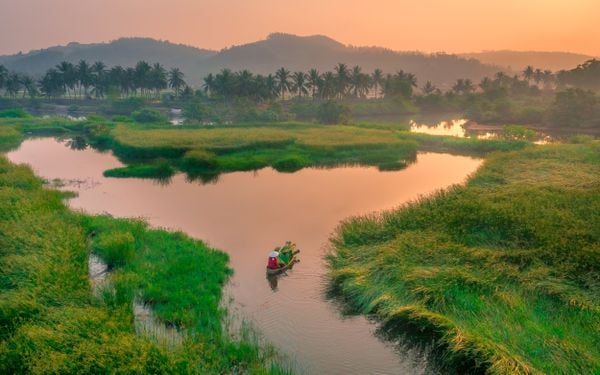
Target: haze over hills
pixel 277 50
pixel 518 60
pixel 124 51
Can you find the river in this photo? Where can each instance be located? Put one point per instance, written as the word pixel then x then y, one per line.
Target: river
pixel 247 214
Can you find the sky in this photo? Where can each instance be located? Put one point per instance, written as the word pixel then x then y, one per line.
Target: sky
pixel 424 25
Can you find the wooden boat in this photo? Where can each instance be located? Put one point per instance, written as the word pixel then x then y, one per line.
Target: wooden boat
pixel 290 264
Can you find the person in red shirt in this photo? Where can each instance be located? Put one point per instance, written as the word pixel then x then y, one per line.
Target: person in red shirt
pixel 273 262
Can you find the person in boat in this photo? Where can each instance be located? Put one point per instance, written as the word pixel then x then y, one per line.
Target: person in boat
pixel 273 262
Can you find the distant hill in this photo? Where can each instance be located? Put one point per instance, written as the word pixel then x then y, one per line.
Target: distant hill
pixel 517 60
pixel 265 56
pixel 125 52
pixel 323 53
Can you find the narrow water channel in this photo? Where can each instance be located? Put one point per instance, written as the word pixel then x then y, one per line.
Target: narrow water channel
pixel 247 214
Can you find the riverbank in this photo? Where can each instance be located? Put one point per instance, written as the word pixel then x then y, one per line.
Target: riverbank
pixel 502 273
pixel 51 322
pixel 159 151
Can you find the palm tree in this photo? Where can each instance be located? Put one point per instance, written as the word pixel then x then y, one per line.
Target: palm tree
pixel 528 73
pixel 313 81
pixel 271 87
pixel 429 88
pixel 176 81
pixel 328 87
pixel 359 82
pixel 342 77
pixel 69 75
pixel 158 78
pixel 299 83
pixel 209 84
pixel 224 83
pixel 130 80
pixel 51 84
pixel 118 78
pixel 538 75
pixel 98 70
pixel 377 79
pixel 463 86
pixel 548 78
pixel 29 86
pixel 142 76
pixel 84 76
pixel 13 84
pixel 244 83
pixel 282 76
pixel 3 76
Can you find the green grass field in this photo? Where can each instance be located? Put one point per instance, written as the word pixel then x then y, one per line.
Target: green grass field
pixel 50 322
pixel 504 272
pixel 158 151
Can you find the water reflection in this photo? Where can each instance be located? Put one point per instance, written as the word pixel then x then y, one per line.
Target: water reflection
pixel 249 213
pixel 453 128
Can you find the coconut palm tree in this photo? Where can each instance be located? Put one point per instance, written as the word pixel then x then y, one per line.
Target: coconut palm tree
pixel 13 84
pixel 118 78
pixel 98 70
pixel 84 76
pixel 51 84
pixel 359 82
pixel 299 83
pixel 528 73
pixel 209 84
pixel 271 87
pixel 69 75
pixel 343 79
pixel 29 86
pixel 429 88
pixel 538 76
pixel 176 81
pixel 142 76
pixel 3 76
pixel 282 76
pixel 328 87
pixel 377 80
pixel 313 80
pixel 158 78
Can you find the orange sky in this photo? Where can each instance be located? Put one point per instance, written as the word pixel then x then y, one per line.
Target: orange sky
pixel 426 25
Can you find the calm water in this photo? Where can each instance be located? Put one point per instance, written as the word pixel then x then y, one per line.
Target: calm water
pixel 247 214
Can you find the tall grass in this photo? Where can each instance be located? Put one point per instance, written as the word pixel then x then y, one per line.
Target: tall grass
pixel 50 322
pixel 502 273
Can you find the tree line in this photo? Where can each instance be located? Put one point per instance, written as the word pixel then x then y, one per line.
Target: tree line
pixel 95 80
pixel 342 82
pixel 98 81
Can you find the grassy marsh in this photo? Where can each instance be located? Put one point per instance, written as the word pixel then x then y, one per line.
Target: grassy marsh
pixel 50 322
pixel 502 272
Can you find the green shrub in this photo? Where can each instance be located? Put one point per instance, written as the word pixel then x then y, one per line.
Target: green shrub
pixel 115 248
pixel 200 159
pixel 148 115
pixel 160 169
pixel 332 112
pixel 290 163
pixel 121 118
pixel 518 133
pixel 14 113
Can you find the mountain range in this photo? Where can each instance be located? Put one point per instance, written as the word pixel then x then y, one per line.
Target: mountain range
pixel 518 60
pixel 290 51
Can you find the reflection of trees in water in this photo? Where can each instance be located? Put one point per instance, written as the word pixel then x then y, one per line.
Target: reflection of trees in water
pixel 203 177
pixel 77 142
